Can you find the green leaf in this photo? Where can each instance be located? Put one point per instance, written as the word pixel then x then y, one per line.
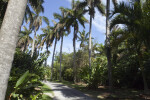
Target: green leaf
pixel 22 78
pixel 46 20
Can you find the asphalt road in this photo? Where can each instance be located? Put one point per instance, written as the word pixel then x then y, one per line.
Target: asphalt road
pixel 62 92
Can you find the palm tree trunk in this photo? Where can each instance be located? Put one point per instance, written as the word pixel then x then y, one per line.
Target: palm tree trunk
pixel 25 47
pixel 90 69
pixel 74 57
pixel 108 50
pixel 142 70
pixel 61 56
pixel 32 52
pixel 53 59
pixel 8 38
pixel 45 64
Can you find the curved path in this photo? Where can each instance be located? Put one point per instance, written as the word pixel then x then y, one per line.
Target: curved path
pixel 62 92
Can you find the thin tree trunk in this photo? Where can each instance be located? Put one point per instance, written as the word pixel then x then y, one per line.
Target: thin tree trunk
pixel 61 56
pixel 144 81
pixel 33 44
pixel 8 38
pixel 45 63
pixel 142 70
pixel 90 69
pixel 74 57
pixel 53 59
pixel 108 50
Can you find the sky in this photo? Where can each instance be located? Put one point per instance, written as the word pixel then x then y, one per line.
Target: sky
pixel 98 25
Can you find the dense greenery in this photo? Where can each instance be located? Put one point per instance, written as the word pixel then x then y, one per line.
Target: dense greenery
pixel 129 49
pixel 26 76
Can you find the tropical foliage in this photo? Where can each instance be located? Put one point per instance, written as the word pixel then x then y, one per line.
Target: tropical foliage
pixel 121 62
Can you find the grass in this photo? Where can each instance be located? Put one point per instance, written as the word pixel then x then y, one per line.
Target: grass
pixel 46 97
pixel 102 93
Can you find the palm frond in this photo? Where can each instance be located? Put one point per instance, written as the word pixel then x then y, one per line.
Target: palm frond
pixel 119 19
pixel 101 9
pixel 57 16
pixel 46 20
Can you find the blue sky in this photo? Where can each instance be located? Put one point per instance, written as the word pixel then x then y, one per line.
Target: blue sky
pixel 98 28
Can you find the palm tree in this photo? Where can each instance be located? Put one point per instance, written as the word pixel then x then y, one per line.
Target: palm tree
pixel 134 18
pixel 47 37
pixel 60 30
pixel 91 4
pixel 35 5
pixel 83 38
pixel 60 27
pixel 37 22
pixel 108 49
pixel 55 37
pixel 73 18
pixel 24 39
pixel 8 39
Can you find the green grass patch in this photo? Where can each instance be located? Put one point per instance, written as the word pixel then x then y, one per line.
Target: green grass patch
pixel 46 97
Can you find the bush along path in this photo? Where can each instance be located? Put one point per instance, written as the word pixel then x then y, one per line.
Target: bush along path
pixel 63 92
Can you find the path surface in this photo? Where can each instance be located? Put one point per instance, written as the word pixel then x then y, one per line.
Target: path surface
pixel 62 92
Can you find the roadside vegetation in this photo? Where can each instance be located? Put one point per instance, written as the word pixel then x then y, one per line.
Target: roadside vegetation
pixel 118 69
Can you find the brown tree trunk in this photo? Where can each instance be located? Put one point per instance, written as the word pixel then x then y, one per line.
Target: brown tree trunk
pixel 8 38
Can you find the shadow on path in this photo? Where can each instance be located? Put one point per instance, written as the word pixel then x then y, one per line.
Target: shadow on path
pixel 62 92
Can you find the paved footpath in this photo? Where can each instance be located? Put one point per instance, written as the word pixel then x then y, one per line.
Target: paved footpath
pixel 63 92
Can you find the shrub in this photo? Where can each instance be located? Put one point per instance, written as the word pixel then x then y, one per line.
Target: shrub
pixel 98 73
pixel 68 74
pixel 26 87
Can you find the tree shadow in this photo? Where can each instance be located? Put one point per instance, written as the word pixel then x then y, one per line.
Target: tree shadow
pixel 68 92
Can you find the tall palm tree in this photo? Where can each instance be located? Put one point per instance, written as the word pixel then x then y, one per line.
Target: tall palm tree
pixel 24 39
pixel 56 37
pixel 37 22
pixel 73 18
pixel 47 37
pixel 32 6
pixel 91 4
pixel 108 49
pixel 61 30
pixel 8 39
pixel 134 18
